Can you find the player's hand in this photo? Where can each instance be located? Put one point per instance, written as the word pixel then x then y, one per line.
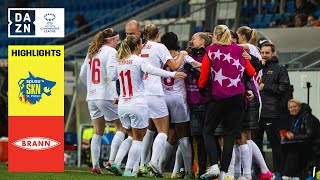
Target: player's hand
pixel 250 95
pixel 180 75
pixel 115 101
pixel 263 61
pixel 183 53
pixel 246 55
pixel 290 135
pixel 261 86
pixel 196 64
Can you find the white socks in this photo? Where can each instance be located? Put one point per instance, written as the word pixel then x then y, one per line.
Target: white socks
pixel 237 163
pixel 158 147
pixel 230 172
pixel 250 151
pixel 178 162
pixel 136 166
pixel 245 158
pixel 116 142
pixel 134 153
pixel 146 146
pixel 222 175
pixel 95 150
pixel 258 158
pixel 185 147
pixel 123 150
pixel 168 149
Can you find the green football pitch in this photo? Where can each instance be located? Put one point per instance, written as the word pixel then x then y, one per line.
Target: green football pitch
pixel 69 174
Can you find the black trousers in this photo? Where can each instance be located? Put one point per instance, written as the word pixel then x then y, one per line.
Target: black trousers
pixel 273 133
pixel 197 117
pixel 230 112
pixel 296 158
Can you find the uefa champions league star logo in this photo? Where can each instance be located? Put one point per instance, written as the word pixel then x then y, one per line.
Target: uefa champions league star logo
pixel 49 27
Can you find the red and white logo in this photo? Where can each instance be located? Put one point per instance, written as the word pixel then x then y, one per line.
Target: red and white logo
pixel 36 143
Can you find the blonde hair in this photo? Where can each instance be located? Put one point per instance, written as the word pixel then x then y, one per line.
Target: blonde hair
pixel 127 46
pixel 98 41
pixel 250 34
pixel 205 36
pixel 150 32
pixel 223 35
pixel 298 102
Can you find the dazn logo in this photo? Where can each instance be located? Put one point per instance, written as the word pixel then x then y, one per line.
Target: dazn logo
pixel 21 22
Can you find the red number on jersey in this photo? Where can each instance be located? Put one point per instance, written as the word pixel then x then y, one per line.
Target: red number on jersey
pixel 168 81
pixel 95 70
pixel 122 75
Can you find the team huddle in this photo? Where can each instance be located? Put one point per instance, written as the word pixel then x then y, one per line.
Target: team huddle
pixel 209 92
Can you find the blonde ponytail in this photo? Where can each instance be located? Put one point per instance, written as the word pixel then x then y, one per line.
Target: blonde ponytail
pixel 250 34
pixel 127 46
pixel 223 35
pixel 124 51
pixel 99 39
pixel 253 38
pixel 150 32
pixel 95 45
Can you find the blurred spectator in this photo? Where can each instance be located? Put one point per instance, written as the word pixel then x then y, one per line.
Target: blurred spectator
pixel 82 25
pixel 300 20
pixel 313 21
pixel 302 7
pixel 301 141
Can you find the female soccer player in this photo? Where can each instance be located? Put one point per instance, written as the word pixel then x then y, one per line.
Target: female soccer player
pixel 225 63
pixel 175 95
pixel 101 92
pixel 133 107
pixel 157 55
pixel 247 148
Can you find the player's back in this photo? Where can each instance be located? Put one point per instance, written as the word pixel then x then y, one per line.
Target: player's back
pixel 98 85
pixel 131 82
pixel 173 86
pixel 157 55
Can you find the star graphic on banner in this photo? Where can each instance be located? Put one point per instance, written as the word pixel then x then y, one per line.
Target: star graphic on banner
pixel 227 57
pixel 234 82
pixel 217 54
pixel 210 54
pixel 219 77
pixel 242 68
pixel 236 63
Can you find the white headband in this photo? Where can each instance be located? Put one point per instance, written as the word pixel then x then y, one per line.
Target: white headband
pixel 111 37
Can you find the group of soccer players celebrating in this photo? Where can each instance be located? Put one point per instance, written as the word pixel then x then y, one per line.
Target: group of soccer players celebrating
pixel 208 92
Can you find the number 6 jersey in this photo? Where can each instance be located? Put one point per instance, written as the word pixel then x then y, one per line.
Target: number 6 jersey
pixel 94 74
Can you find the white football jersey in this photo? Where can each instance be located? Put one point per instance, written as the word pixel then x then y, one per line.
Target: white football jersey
pixel 157 55
pixel 253 50
pixel 176 86
pixel 130 72
pixel 94 74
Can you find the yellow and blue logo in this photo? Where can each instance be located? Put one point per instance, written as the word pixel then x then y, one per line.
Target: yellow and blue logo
pixel 32 88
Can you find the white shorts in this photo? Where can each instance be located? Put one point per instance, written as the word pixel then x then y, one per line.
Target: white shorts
pixel 157 106
pixel 100 107
pixel 178 108
pixel 133 117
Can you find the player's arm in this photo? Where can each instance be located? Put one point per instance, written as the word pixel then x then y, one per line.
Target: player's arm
pixel 111 67
pixel 148 68
pixel 174 64
pixel 205 70
pixel 191 61
pixel 83 73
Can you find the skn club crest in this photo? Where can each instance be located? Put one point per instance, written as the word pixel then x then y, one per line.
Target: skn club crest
pixel 32 88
